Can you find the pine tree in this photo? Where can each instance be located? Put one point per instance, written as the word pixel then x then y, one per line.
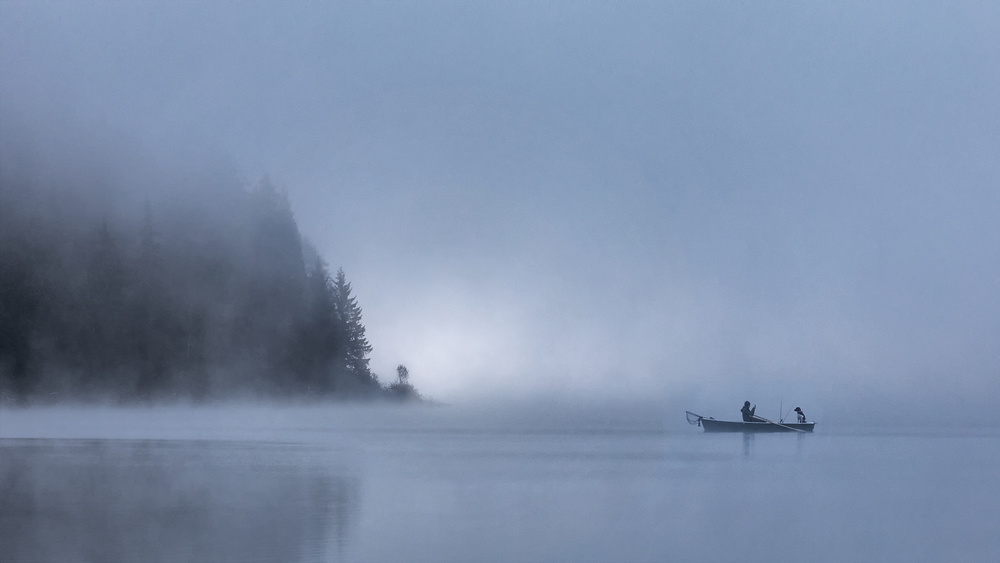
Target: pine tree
pixel 319 342
pixel 356 346
pixel 273 291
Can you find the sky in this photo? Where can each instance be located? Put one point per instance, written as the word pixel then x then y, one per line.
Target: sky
pixel 596 199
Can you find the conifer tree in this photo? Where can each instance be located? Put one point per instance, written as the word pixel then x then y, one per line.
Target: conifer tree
pixel 320 343
pixel 356 346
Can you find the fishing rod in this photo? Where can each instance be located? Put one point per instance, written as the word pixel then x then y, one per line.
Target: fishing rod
pixel 787 413
pixel 781 425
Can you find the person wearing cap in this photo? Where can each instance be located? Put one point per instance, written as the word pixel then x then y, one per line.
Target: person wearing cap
pixel 748 413
pixel 802 415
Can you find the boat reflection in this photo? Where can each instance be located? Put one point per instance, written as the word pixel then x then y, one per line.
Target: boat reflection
pixel 748 438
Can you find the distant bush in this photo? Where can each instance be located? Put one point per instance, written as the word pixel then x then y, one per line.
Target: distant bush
pixel 401 389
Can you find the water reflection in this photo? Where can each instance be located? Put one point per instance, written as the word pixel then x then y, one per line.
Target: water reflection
pixel 747 443
pixel 101 500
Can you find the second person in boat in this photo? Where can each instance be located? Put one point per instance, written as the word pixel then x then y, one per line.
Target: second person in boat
pixel 748 413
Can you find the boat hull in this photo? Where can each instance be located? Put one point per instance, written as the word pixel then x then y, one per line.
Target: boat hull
pixel 712 425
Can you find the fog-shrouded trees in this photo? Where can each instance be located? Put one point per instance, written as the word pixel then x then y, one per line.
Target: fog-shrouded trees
pixel 352 330
pixel 168 298
pixel 332 350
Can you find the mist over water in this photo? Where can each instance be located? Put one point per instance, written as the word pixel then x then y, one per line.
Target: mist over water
pixel 567 222
pixel 343 483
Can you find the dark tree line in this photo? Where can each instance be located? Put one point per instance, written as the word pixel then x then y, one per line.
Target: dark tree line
pixel 196 299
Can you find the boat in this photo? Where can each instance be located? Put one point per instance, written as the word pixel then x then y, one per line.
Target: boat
pixel 765 425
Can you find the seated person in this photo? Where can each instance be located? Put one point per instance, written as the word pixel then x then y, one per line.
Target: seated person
pixel 802 415
pixel 748 413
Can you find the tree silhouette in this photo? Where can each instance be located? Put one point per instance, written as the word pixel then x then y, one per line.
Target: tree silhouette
pixel 401 389
pixel 319 342
pixel 356 346
pixel 205 298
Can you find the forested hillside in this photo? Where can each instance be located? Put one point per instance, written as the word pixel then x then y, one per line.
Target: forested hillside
pixel 203 291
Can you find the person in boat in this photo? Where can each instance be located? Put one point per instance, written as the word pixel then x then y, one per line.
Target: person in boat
pixel 801 415
pixel 748 413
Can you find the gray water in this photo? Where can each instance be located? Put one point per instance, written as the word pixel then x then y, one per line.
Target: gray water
pixel 338 483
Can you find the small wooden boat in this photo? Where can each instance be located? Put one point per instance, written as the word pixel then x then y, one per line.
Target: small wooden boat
pixel 765 425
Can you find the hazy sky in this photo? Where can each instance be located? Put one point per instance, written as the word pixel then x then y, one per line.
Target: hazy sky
pixel 627 197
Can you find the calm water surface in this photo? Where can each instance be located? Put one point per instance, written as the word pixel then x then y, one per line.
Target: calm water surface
pixel 447 484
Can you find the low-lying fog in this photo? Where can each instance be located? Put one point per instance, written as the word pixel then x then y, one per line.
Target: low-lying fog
pixel 366 484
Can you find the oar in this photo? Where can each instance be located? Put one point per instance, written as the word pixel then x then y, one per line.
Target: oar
pixel 776 424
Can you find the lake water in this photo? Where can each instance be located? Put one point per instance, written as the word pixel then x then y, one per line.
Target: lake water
pixel 341 483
